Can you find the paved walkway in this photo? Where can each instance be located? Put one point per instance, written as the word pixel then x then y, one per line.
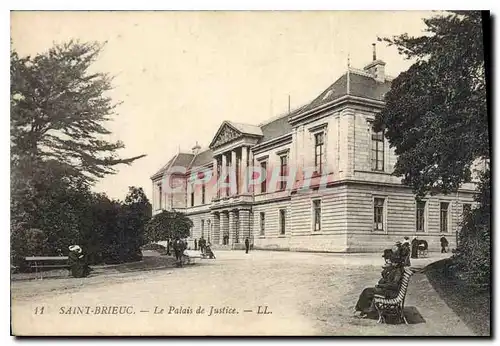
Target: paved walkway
pixel 305 294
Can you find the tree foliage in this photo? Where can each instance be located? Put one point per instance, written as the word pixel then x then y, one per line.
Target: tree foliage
pixel 436 119
pixel 435 114
pixel 58 111
pixel 59 108
pixel 168 225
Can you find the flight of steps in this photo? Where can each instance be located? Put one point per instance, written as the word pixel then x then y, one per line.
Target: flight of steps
pixel 219 247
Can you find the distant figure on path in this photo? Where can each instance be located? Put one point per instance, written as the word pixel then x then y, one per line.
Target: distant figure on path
pixel 444 243
pixel 405 252
pixel 414 248
pixel 202 243
pixel 178 250
pixel 77 262
pixel 209 252
pixel 247 245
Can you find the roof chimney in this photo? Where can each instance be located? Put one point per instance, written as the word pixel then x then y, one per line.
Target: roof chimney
pixel 196 148
pixel 377 67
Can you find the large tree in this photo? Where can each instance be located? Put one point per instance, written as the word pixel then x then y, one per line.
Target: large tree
pixel 168 225
pixel 59 108
pixel 436 119
pixel 436 112
pixel 58 111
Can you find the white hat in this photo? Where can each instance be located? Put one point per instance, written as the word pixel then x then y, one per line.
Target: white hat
pixel 75 248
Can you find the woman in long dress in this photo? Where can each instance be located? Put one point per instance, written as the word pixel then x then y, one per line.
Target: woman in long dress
pixel 388 286
pixel 77 263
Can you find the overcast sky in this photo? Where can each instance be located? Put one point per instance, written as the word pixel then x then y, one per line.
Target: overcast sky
pixel 180 74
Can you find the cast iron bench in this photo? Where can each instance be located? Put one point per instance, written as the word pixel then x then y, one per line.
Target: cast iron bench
pixel 38 263
pixel 394 306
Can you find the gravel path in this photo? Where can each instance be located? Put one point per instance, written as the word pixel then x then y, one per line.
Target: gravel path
pixel 305 294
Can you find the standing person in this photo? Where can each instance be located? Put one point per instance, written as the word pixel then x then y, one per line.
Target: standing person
pixel 195 244
pixel 444 243
pixel 405 252
pixel 202 244
pixel 178 251
pixel 247 245
pixel 396 249
pixel 414 247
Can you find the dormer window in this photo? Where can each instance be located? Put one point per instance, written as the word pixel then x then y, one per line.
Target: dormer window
pixel 328 94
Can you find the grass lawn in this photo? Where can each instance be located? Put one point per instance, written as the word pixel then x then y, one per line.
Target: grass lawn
pixel 471 305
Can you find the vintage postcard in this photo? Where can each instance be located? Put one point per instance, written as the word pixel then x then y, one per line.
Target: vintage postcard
pixel 250 173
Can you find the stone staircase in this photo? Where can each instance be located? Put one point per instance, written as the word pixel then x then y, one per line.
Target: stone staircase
pixel 238 246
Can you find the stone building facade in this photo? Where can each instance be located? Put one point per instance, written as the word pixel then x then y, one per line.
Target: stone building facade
pixel 337 193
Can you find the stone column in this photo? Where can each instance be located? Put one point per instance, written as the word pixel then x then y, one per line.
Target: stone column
pixel 250 189
pixel 215 178
pixel 232 177
pixel 244 170
pixel 224 225
pixel 223 190
pixel 216 234
pixel 245 231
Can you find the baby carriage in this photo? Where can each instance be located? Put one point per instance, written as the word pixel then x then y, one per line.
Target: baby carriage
pixel 422 248
pixel 208 252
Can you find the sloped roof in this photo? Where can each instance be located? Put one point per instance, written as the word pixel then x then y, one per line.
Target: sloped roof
pixel 180 159
pixel 275 128
pixel 359 85
pixel 202 158
pixel 247 128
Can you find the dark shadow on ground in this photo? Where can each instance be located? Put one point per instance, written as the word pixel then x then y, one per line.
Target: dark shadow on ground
pixel 411 313
pixel 470 304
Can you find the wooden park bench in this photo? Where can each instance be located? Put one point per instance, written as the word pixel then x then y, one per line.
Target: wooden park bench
pixel 394 306
pixel 40 263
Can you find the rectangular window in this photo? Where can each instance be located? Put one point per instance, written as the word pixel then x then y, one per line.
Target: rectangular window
pixel 319 142
pixel 203 194
pixel 202 227
pixel 192 198
pixel 282 221
pixel 160 192
pixel 420 216
pixel 443 220
pixel 317 215
pixel 377 151
pixel 378 214
pixel 263 185
pixel 283 170
pixel 262 223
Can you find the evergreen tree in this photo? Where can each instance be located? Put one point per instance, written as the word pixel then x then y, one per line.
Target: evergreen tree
pixel 436 119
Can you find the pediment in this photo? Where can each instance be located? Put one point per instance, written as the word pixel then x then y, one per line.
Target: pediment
pixel 225 134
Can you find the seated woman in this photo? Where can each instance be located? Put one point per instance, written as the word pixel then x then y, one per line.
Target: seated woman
pixel 77 262
pixel 387 286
